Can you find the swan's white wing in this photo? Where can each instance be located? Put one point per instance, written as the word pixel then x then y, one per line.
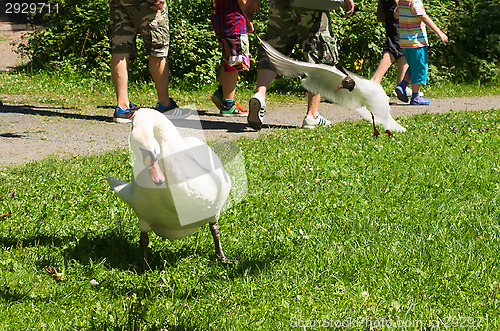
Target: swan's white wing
pixel 197 180
pixel 209 162
pixel 319 78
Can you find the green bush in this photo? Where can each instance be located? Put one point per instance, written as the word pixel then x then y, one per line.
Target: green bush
pixel 194 51
pixel 360 37
pixel 76 39
pixel 474 51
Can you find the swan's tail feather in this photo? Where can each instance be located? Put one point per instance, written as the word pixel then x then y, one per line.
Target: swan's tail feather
pixel 123 189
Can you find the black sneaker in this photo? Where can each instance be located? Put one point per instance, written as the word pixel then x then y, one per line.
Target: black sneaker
pixel 124 116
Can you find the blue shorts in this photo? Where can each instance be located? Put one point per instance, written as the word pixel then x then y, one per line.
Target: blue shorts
pixel 418 60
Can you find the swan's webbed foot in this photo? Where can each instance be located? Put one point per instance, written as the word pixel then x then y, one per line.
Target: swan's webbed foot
pixel 144 242
pixel 219 253
pixel 389 133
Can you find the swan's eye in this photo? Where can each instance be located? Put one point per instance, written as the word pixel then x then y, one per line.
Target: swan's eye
pixel 148 157
pixel 148 161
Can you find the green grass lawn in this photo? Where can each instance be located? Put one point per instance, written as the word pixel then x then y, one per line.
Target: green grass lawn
pixel 338 228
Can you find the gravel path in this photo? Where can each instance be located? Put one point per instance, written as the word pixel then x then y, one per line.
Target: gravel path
pixel 33 132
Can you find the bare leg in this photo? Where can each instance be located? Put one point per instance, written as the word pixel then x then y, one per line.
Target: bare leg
pixel 214 229
pixel 264 79
pixel 144 242
pixel 158 66
pixel 313 101
pixel 228 80
pixel 415 88
pixel 402 67
pixel 119 75
pixel 383 66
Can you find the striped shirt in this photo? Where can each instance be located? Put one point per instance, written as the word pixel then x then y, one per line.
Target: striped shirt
pixel 227 18
pixel 412 31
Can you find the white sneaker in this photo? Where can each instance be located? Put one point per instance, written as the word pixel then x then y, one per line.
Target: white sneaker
pixel 310 122
pixel 256 110
pixel 409 92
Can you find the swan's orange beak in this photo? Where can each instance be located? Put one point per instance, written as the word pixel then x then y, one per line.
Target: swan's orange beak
pixel 156 173
pixel 338 88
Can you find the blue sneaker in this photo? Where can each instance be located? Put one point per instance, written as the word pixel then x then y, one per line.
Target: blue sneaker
pixel 124 116
pixel 419 101
pixel 401 93
pixel 173 112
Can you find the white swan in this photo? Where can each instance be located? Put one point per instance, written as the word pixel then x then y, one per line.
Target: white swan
pixel 368 98
pixel 179 183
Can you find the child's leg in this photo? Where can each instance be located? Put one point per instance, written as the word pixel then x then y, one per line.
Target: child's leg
pixel 228 80
pixel 402 69
pixel 406 78
pixel 415 88
pixel 419 75
pixel 383 66
pixel 236 58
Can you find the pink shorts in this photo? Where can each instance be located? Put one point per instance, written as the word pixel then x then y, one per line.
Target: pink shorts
pixel 235 51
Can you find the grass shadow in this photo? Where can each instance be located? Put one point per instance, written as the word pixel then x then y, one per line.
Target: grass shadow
pixel 124 254
pixel 117 251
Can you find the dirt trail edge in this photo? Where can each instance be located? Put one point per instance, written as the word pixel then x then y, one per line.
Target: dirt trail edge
pixel 33 132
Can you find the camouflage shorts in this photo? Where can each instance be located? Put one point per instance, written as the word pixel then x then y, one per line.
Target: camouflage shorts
pixel 129 18
pixel 287 25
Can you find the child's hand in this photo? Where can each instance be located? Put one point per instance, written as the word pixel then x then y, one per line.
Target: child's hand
pixel 250 28
pixel 444 38
pixel 348 6
pixel 157 4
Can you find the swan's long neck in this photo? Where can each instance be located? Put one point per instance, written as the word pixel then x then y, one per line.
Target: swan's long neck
pixel 168 137
pixel 164 132
pixel 152 131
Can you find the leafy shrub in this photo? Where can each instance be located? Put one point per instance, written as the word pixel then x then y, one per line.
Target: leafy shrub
pixel 194 51
pixel 360 37
pixel 474 28
pixel 74 38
